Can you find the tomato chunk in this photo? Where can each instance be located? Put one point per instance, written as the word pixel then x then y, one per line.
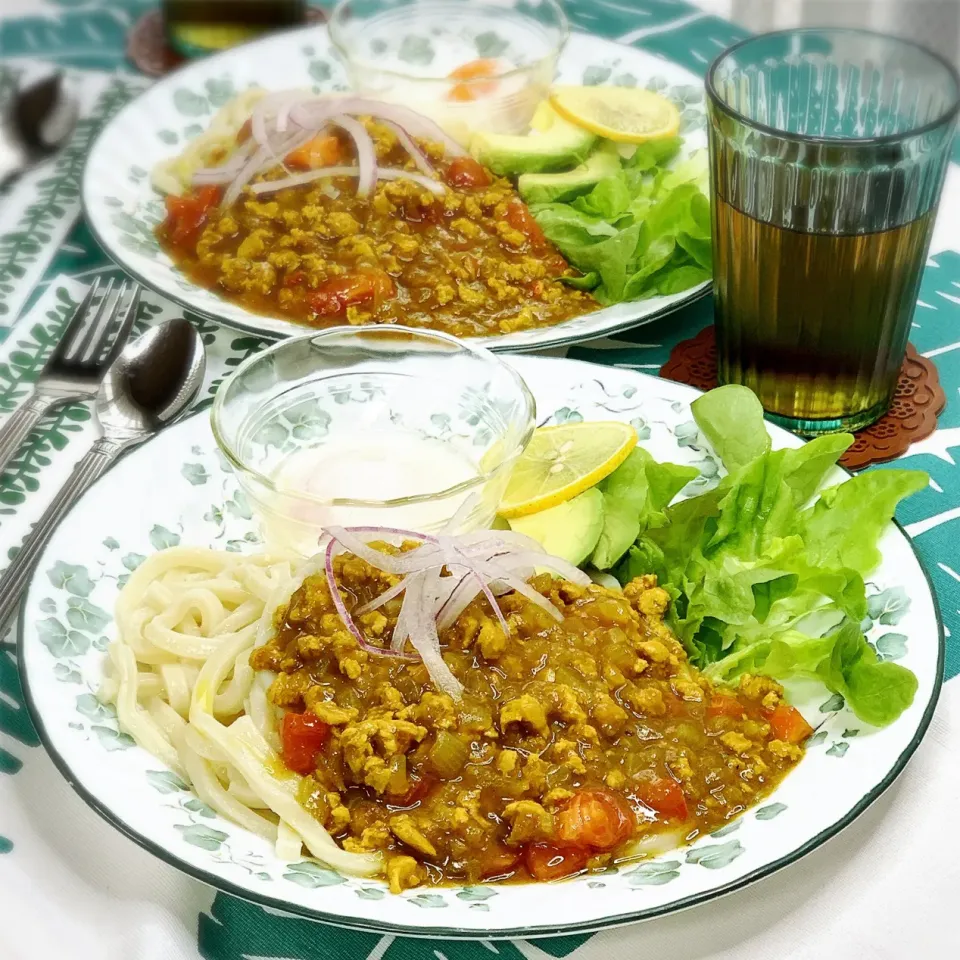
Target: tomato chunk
pixel 787 723
pixel 547 862
pixel 520 218
pixel 332 298
pixel 595 820
pixel 665 796
pixel 498 861
pixel 302 736
pixel 467 172
pixel 188 214
pixel 324 150
pixel 472 71
pixel 419 788
pixel 722 705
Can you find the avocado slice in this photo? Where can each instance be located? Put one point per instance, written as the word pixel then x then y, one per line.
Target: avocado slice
pixel 560 187
pixel 560 146
pixel 569 530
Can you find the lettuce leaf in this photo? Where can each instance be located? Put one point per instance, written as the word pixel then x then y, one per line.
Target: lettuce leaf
pixel 877 691
pixel 634 497
pixel 844 525
pixel 643 231
pixel 764 583
pixel 731 418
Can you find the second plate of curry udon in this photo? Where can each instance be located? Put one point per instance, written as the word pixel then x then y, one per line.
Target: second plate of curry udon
pixel 248 191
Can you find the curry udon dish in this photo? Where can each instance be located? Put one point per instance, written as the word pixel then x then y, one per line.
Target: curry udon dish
pixel 328 210
pixel 439 710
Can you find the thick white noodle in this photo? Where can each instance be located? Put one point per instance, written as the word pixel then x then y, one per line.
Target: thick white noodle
pixel 240 789
pixel 180 677
pixel 131 717
pixel 166 718
pixel 289 844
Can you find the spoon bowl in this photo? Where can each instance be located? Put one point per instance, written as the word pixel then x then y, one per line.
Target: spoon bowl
pixel 39 121
pixel 152 382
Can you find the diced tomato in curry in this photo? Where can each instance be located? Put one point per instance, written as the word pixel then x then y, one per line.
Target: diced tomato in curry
pixel 188 215
pixel 324 150
pixel 302 736
pixel 572 742
pixel 787 723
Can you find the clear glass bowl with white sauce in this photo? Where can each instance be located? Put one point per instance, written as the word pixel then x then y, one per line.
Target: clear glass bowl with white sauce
pixel 380 426
pixel 468 64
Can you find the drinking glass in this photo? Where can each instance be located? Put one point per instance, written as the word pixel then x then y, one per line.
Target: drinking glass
pixel 828 149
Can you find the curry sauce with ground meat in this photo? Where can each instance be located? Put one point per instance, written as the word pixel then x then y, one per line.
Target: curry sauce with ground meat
pixel 573 739
pixel 472 262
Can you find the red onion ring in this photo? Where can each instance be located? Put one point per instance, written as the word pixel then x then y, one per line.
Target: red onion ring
pixel 387 173
pixel 408 144
pixel 366 154
pixel 344 614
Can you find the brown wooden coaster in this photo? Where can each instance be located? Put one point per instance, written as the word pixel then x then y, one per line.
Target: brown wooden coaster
pixel 147 46
pixel 918 401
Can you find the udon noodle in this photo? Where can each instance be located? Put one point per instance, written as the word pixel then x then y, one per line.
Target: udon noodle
pixel 180 678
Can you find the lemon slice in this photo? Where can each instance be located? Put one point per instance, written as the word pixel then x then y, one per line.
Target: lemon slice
pixel 625 114
pixel 561 462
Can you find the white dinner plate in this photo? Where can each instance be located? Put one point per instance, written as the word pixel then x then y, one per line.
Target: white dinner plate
pixel 193 499
pixel 123 209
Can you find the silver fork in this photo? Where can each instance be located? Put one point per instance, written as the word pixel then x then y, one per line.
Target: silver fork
pixel 90 343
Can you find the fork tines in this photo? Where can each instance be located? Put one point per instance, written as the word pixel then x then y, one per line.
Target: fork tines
pixel 100 326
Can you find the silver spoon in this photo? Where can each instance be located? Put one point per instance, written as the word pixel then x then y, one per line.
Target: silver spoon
pixel 39 120
pixel 148 386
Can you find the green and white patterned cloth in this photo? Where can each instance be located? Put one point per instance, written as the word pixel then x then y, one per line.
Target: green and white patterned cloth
pixel 71 887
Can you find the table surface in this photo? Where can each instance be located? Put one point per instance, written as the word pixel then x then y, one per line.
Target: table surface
pixel 72 887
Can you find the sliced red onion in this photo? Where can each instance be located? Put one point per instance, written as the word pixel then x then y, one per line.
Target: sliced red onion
pixel 270 107
pixel 494 571
pixel 415 123
pixel 426 641
pixel 298 179
pixel 283 121
pixel 366 154
pixel 540 559
pixel 408 144
pixel 258 127
pixel 455 556
pixel 387 595
pixel 283 115
pixel 308 112
pixel 410 562
pixel 412 599
pixel 246 173
pixel 491 563
pixel 501 540
pixel 345 614
pixel 459 600
pixel 434 186
pixel 227 171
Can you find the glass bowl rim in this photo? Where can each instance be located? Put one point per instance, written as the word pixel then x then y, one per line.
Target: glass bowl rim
pixel 340 45
pixel 480 353
pixel 945 118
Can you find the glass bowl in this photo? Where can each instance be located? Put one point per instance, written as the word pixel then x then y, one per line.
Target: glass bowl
pixel 425 54
pixel 382 426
